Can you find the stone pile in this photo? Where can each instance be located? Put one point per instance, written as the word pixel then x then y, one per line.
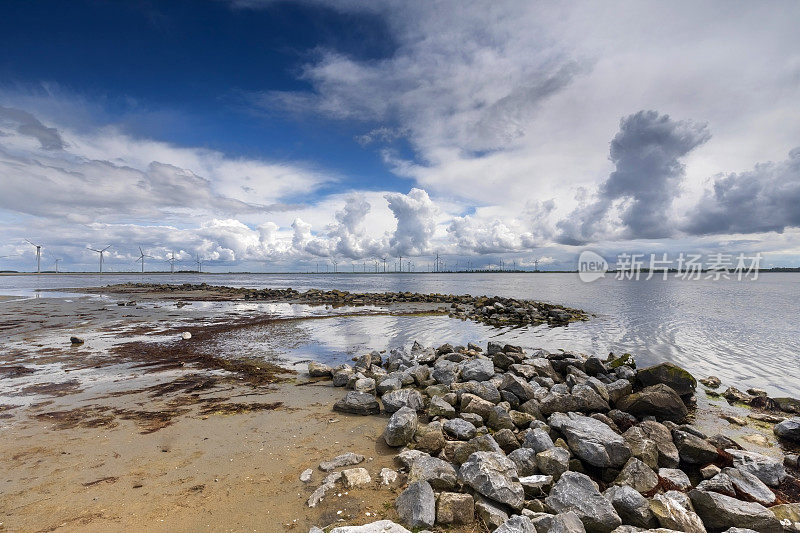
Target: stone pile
pixel 561 442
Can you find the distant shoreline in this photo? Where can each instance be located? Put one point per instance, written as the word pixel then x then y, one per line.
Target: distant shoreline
pixel 184 272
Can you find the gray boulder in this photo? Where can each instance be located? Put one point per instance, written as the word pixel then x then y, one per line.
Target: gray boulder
pixel 769 470
pixel 416 506
pixel 518 387
pixel 345 459
pixel 381 526
pixel 721 512
pixel 720 483
pixel 479 369
pixel 659 401
pixel 637 475
pixel 525 461
pixel 788 429
pixel 632 507
pixel 359 403
pixel 495 476
pixel 439 407
pixel 319 370
pixel 388 384
pixel 694 450
pixel 460 429
pixel 578 493
pixel 439 473
pixel 517 524
pixel 678 379
pixel 668 456
pixel 674 479
pixel 553 461
pixel 394 400
pixel 591 440
pixel 750 486
pixel 489 512
pixel 455 508
pixel 673 511
pixel 445 372
pixel 538 440
pixel 567 522
pixel 401 427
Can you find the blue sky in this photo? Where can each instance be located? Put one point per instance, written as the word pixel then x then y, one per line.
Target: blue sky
pixel 266 135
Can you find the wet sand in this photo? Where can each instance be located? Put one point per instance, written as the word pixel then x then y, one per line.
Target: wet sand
pixel 94 441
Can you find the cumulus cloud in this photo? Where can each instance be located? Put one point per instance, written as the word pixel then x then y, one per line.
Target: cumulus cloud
pixel 764 199
pixel 646 153
pixel 416 222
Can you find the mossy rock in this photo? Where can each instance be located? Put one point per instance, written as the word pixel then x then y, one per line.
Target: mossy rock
pixel 678 379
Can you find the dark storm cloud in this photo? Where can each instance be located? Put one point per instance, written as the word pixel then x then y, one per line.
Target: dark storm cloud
pixel 29 125
pixel 646 152
pixel 766 198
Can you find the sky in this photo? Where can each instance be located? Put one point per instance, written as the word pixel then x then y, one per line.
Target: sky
pixel 261 135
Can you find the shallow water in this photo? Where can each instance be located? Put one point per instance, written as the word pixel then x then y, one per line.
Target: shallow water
pixel 745 332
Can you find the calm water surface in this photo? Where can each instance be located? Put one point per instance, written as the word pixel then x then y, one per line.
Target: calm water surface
pixel 745 332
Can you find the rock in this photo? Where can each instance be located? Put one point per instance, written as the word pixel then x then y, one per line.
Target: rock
pixel 788 429
pixel 474 419
pixel 327 484
pixel 538 440
pixel 342 375
pixel 521 419
pixel 454 508
pixel 479 369
pixel 517 524
pixel 305 476
pixel 721 512
pixel 632 507
pixel 388 384
pixel 576 492
pixel 638 475
pixel 430 438
pixel 720 483
pixel 506 439
pixel 500 419
pixel 439 473
pixel 732 394
pixel 394 400
pixel 416 506
pixel 674 479
pixel 489 512
pixel 736 420
pixel 756 438
pixel 642 447
pixel 359 403
pixel 364 385
pixel 439 407
pixel 748 485
pixel 675 377
pixel 712 382
pixel 583 399
pixel 495 476
pixel 381 526
pixel 458 428
pixel 721 442
pixel 553 461
pixel 770 471
pixel 346 459
pixel 401 427
pixel 788 405
pixel 657 400
pixel 591 440
pixel 388 476
pixel 76 340
pixel 692 449
pixel 518 387
pixel 481 443
pixel 668 456
pixel 318 370
pixel 671 513
pixel 445 372
pixel 525 461
pixel 617 389
pixel 789 516
pixel 561 523
pixel 536 486
pixel 709 471
pixel 354 477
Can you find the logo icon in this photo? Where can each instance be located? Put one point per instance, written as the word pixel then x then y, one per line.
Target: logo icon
pixel 591 266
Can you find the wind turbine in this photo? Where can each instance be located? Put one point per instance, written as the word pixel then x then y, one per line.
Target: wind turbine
pixel 57 260
pixel 101 252
pixel 38 256
pixel 536 265
pixel 171 262
pixel 199 263
pixel 141 257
